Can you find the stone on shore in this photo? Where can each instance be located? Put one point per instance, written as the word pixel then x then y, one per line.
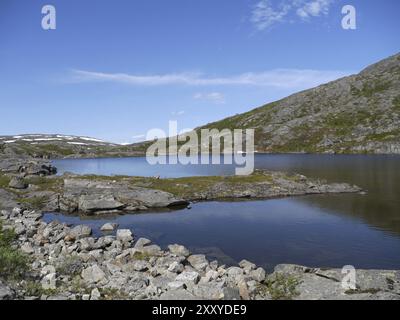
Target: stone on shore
pixel 80 232
pixel 93 274
pixel 109 227
pixel 124 235
pixel 178 250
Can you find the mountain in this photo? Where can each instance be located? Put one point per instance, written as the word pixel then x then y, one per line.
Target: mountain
pixel 60 146
pixel 355 114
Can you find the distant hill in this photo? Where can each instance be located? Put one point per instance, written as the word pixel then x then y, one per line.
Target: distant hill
pixel 355 114
pixel 60 146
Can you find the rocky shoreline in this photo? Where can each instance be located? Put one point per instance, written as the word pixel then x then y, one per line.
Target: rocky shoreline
pixel 67 263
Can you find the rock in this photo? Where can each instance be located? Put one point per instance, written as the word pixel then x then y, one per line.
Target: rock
pixel 210 276
pixel 176 267
pixel 93 274
pixel 178 250
pixel 188 277
pixel 5 292
pixel 140 265
pixel 234 272
pixel 18 183
pixel 124 235
pixel 231 293
pixel 108 227
pixel 152 250
pixel 48 269
pixel 92 203
pixel 208 291
pixel 247 266
pixel 27 248
pixel 198 261
pixel 80 232
pixel 49 282
pixel 176 285
pixel 95 294
pixel 243 290
pixel 86 297
pixel 142 242
pixel 258 274
pixel 180 294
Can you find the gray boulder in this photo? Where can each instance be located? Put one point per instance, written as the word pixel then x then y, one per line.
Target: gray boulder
pixel 93 274
pixel 5 292
pixel 124 235
pixel 18 183
pixel 178 250
pixel 80 232
pixel 108 227
pixel 198 261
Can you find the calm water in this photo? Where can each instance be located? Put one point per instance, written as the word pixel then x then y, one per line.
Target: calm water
pixel 334 230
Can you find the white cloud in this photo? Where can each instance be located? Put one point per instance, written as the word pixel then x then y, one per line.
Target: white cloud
pixel 264 14
pixel 314 8
pixel 277 78
pixel 214 97
pixel 139 136
pixel 178 113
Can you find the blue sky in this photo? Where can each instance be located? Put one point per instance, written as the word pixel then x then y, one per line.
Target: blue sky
pixel 115 69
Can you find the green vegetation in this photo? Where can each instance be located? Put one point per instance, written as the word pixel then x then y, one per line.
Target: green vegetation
pixel 4 181
pixel 45 183
pixel 186 186
pixel 281 287
pixel 371 88
pixel 360 291
pixel 141 256
pixel 112 294
pixel 384 136
pixel 71 266
pixel 34 203
pixel 13 263
pixel 396 104
pixel 44 150
pixel 250 119
pixel 35 289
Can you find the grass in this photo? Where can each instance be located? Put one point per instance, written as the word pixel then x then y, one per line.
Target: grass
pixel 13 263
pixel 4 181
pixel 141 256
pixel 281 287
pixel 361 291
pixel 185 187
pixel 35 289
pixel 45 183
pixel 371 88
pixel 385 136
pixel 34 203
pixel 396 104
pixel 112 294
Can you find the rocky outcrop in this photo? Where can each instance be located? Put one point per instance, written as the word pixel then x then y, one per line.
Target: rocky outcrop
pixel 106 195
pixel 96 196
pixel 68 263
pixel 328 284
pixel 27 166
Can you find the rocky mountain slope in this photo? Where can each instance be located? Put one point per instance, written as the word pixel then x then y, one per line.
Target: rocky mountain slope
pixel 355 114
